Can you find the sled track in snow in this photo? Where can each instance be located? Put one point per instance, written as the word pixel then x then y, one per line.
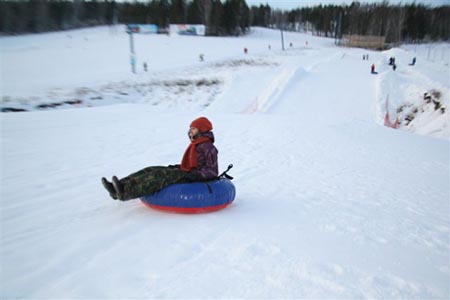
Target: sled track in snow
pixel 273 93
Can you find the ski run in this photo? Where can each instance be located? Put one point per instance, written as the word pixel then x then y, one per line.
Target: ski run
pixel 330 203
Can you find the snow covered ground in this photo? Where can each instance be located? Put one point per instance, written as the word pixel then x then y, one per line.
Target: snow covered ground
pixel 330 203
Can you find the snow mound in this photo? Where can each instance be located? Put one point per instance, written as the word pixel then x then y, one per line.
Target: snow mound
pixel 415 96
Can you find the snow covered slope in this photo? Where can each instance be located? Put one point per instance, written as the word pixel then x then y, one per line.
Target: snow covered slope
pixel 330 204
pixel 408 92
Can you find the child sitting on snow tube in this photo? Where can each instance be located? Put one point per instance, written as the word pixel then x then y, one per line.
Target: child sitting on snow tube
pixel 199 163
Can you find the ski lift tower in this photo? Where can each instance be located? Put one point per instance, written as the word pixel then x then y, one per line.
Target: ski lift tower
pixel 132 54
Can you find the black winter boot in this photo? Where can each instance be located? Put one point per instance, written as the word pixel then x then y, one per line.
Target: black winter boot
pixel 110 188
pixel 118 187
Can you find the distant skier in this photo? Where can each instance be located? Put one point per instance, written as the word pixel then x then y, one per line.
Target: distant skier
pixel 199 163
pixel 413 62
pixel 245 50
pixel 372 69
pixel 145 66
pixel 201 57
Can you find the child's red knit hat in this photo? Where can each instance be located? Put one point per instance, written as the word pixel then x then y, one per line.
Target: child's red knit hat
pixel 202 124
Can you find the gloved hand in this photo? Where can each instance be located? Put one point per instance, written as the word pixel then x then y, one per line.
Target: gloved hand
pixel 192 176
pixel 173 166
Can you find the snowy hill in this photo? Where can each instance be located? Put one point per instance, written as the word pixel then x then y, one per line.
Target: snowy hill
pixel 330 203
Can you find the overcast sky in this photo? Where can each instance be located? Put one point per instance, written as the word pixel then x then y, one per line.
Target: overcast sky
pixel 290 4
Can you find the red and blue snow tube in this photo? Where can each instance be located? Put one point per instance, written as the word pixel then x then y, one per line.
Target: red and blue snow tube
pixel 192 198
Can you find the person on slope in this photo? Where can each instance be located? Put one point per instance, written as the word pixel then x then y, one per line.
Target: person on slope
pixel 199 163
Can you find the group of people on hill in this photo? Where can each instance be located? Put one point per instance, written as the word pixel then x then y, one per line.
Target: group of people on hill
pixel 391 63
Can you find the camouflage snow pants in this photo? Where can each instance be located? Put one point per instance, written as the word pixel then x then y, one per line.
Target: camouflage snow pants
pixel 150 180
